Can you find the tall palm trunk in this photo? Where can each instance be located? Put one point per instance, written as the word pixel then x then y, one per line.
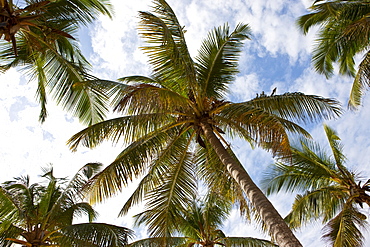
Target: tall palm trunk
pixel 276 225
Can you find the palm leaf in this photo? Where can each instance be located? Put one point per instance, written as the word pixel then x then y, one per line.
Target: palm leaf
pixel 161 99
pixel 130 163
pixel 177 187
pixel 361 82
pixel 9 209
pixel 157 167
pixel 217 61
pixel 298 106
pixel 8 232
pixel 344 229
pixel 168 53
pixel 94 234
pixel 322 203
pixel 128 128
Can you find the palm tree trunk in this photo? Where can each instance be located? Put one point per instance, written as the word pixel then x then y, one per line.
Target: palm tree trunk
pixel 278 229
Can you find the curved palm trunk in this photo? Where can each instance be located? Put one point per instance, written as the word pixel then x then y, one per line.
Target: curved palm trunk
pixel 276 226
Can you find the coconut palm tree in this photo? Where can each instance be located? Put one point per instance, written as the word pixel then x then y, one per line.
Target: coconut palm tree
pixel 200 226
pixel 38 215
pixel 182 108
pixel 40 37
pixel 331 191
pixel 343 34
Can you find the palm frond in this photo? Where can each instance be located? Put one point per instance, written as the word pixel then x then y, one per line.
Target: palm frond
pixel 217 62
pixel 94 234
pixel 167 50
pixel 131 162
pixel 172 195
pixel 47 50
pixel 128 129
pixel 159 100
pixel 337 150
pixel 322 203
pixel 343 33
pixel 345 230
pixel 258 126
pixel 298 106
pixel 361 82
pixel 156 169
pixel 9 209
pixel 8 232
pixel 81 11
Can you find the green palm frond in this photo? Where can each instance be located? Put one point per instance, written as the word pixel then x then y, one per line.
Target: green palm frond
pixel 82 11
pixel 258 126
pixel 289 178
pixel 167 50
pixel 343 33
pixel 66 214
pixel 44 214
pixel 162 100
pixel 45 48
pixel 94 234
pixel 128 129
pixel 361 82
pixel 8 231
pixel 345 230
pixel 217 62
pixel 322 203
pixel 175 190
pixel 65 207
pixel 337 150
pixel 9 209
pixel 156 169
pixel 131 162
pixel 330 190
pixel 298 106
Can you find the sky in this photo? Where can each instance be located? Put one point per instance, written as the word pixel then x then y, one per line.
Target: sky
pixel 278 55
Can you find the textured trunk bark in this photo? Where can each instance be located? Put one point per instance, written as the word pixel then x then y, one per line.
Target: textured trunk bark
pixel 276 225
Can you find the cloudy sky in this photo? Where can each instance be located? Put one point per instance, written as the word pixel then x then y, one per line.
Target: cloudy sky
pixel 277 56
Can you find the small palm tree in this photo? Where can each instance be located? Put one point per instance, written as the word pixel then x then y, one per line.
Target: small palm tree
pixel 39 36
pixel 343 34
pixel 331 191
pixel 200 226
pixel 181 109
pixel 37 215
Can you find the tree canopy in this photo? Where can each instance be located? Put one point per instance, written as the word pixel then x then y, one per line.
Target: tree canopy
pixel 331 191
pixel 42 215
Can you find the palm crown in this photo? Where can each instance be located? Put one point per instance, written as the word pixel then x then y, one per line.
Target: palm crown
pixel 183 104
pixel 39 36
pixel 38 215
pixel 331 190
pixel 343 34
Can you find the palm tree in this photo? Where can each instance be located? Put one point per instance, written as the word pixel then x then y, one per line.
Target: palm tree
pixel 343 34
pixel 200 225
pixel 181 108
pixel 38 215
pixel 331 191
pixel 39 36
